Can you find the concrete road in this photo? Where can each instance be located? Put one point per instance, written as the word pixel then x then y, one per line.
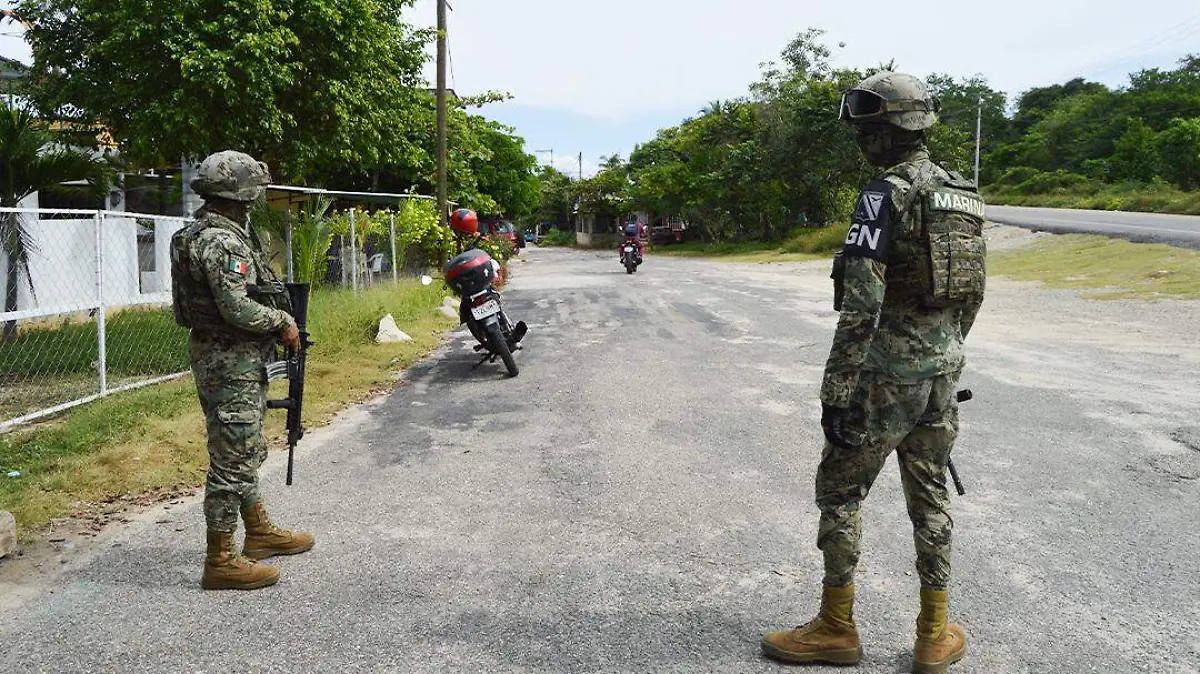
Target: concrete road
pixel 640 500
pixel 1177 230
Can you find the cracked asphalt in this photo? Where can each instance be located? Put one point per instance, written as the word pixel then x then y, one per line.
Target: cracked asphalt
pixel 639 499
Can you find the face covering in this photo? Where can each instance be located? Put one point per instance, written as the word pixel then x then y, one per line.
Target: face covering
pixel 884 145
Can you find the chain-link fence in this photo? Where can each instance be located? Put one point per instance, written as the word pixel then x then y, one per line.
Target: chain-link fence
pixel 87 294
pixel 87 308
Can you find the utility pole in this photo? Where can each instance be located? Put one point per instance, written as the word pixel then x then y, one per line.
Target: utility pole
pixel 443 192
pixel 581 167
pixel 978 136
pixel 551 151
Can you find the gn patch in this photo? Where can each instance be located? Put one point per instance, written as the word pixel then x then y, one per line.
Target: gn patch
pixel 870 232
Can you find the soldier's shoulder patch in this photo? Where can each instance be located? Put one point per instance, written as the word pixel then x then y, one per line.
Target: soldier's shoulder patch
pixel 239 267
pixel 870 232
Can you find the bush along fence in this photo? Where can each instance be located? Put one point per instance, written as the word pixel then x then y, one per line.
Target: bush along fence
pixel 87 309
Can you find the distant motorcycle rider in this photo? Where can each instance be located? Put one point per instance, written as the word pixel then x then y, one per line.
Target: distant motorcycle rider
pixel 633 234
pixel 910 281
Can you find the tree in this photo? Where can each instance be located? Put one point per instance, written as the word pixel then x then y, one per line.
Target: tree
pixel 1036 103
pixel 1179 146
pixel 953 139
pixel 505 171
pixel 31 161
pixel 556 197
pixel 175 79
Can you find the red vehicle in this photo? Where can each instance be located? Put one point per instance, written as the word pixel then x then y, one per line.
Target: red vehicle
pixel 503 229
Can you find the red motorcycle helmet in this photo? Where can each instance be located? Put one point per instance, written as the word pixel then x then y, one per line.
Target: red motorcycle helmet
pixel 464 221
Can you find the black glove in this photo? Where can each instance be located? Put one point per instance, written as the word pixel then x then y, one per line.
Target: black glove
pixel 833 422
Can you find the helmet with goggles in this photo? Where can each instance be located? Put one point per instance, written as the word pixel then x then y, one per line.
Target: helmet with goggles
pixel 895 98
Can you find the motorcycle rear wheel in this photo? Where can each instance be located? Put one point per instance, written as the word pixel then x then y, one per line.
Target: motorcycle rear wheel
pixel 499 346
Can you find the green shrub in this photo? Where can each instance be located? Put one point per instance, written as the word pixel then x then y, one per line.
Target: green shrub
pixel 558 237
pixel 815 240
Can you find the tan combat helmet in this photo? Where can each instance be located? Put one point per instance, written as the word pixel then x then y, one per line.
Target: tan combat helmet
pixel 231 175
pixel 898 99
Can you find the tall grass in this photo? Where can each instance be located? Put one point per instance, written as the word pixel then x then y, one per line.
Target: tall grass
pixel 1136 197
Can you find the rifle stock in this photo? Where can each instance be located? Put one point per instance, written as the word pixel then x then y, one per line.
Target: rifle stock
pixel 295 362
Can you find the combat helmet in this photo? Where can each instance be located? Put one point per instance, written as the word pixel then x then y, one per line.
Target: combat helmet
pixel 231 175
pixel 896 98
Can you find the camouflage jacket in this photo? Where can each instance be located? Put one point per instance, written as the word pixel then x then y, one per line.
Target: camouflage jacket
pixel 883 326
pixel 225 267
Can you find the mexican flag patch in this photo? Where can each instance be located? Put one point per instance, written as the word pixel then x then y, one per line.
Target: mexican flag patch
pixel 238 267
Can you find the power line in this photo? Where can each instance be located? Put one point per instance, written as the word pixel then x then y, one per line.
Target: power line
pixel 1174 34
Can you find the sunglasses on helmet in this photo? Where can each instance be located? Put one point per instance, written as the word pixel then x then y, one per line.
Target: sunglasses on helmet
pixel 860 104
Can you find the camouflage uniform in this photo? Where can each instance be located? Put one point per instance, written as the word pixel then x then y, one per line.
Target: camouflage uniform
pixel 234 331
pixel 895 364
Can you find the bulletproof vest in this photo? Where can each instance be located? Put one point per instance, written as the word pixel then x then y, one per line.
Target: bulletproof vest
pixel 192 299
pixel 182 283
pixel 952 216
pixel 941 261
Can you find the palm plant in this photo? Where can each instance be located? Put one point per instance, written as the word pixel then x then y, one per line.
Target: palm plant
pixel 312 234
pixel 30 161
pixel 311 238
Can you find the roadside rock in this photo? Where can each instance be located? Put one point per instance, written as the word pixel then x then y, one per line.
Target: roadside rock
pixel 450 307
pixel 389 332
pixel 8 533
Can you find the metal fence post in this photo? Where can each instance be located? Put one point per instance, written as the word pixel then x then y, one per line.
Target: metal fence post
pixel 289 245
pixel 395 262
pixel 101 334
pixel 353 254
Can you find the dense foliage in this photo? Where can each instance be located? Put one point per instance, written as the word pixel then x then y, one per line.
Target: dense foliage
pixel 329 93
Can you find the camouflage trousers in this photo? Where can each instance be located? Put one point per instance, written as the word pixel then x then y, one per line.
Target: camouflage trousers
pixel 234 408
pixel 917 419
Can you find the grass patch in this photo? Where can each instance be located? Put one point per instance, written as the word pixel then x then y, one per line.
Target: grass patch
pixel 153 439
pixel 1114 268
pixel 1159 199
pixel 70 346
pixel 807 243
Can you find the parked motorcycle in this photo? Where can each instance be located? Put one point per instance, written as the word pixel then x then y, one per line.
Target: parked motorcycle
pixel 629 256
pixel 471 276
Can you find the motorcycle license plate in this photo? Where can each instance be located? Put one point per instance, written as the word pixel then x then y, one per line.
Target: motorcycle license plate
pixel 486 309
pixel 628 249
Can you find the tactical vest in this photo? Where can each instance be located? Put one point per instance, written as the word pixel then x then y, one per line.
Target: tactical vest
pixel 192 299
pixel 942 261
pixel 952 215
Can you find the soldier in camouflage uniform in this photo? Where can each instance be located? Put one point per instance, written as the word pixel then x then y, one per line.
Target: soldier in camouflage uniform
pixel 910 283
pixel 237 310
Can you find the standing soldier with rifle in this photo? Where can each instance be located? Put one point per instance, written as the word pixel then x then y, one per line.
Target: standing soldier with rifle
pixel 237 310
pixel 909 283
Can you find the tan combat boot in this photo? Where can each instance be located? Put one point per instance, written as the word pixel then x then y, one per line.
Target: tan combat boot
pixel 264 539
pixel 938 645
pixel 225 569
pixel 831 637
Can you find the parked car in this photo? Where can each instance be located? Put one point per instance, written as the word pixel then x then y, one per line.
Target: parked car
pixel 503 229
pixel 662 235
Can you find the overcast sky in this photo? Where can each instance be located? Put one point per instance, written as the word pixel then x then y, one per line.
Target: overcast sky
pixel 600 76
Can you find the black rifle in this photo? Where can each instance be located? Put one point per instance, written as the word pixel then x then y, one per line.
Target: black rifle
pixel 292 367
pixel 963 396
